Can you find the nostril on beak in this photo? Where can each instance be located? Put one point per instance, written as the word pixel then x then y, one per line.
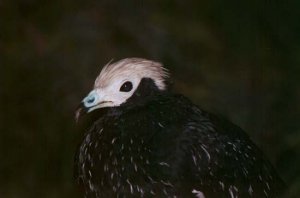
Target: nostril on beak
pixel 91 100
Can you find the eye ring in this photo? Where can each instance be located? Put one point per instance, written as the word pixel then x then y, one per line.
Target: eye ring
pixel 126 87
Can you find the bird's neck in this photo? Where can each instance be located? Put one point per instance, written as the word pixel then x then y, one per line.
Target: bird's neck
pixel 146 90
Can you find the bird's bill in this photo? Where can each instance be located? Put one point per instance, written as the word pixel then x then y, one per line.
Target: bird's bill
pixel 88 104
pixel 94 100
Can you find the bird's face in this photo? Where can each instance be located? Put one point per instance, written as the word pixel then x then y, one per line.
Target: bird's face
pixel 116 92
pixel 117 83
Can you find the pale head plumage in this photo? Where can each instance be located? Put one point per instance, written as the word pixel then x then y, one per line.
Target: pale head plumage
pixel 133 67
pixel 108 91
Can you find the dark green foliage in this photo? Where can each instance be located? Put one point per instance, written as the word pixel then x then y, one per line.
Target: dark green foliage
pixel 235 58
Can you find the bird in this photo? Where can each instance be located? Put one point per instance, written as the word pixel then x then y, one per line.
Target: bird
pixel 144 140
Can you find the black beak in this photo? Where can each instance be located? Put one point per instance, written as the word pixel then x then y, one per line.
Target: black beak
pixel 80 111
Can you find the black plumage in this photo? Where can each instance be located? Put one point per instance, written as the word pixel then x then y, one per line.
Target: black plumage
pixel 159 144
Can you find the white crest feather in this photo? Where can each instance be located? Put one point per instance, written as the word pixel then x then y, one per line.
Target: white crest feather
pixel 133 66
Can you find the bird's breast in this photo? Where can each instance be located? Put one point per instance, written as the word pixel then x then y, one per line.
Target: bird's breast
pixel 121 160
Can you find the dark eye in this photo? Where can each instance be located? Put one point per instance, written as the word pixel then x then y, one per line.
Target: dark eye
pixel 126 87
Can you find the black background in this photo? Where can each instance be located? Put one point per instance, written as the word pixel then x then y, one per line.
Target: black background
pixel 239 59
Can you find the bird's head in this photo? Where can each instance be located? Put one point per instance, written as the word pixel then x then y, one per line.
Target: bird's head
pixel 117 82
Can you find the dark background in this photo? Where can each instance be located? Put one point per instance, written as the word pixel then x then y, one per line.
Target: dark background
pixel 236 58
